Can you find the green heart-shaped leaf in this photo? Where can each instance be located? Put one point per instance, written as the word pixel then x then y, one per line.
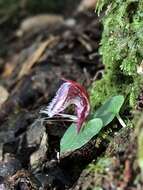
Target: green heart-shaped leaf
pixel 73 140
pixel 109 109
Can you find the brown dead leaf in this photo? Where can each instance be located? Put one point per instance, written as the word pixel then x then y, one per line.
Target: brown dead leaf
pixel 87 4
pixel 85 44
pixel 3 95
pixel 28 64
pixel 8 69
pixel 10 65
pixel 37 22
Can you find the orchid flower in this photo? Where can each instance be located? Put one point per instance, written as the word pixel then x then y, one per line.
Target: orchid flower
pixel 70 92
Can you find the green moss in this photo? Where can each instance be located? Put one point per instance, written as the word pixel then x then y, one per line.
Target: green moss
pixel 121 50
pixel 105 88
pixel 100 166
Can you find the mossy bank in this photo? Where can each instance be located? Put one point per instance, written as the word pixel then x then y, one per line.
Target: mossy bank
pixel 121 50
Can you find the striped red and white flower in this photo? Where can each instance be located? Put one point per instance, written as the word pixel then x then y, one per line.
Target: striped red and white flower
pixel 70 92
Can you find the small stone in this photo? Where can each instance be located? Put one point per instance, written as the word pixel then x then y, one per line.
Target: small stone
pixel 8 168
pixel 37 157
pixel 35 134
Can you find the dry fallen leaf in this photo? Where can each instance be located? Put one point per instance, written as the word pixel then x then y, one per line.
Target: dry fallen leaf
pixel 87 4
pixel 28 64
pixel 8 69
pixel 3 95
pixel 38 22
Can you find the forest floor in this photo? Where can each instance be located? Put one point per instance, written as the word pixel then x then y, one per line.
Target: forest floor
pixel 32 63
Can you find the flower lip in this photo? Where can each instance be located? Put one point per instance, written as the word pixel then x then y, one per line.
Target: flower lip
pixel 70 92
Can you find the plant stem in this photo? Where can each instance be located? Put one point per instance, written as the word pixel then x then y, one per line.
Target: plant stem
pixel 121 120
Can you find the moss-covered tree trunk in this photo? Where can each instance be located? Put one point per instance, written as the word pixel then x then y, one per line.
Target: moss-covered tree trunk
pixel 121 50
pixel 122 54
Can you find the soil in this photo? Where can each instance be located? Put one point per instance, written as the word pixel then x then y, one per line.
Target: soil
pixel 71 52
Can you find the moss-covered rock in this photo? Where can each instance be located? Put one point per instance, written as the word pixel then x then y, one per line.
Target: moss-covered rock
pixel 121 50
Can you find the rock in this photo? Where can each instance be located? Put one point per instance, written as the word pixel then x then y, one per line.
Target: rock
pixel 37 157
pixel 30 141
pixel 34 134
pixel 9 167
pixel 5 138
